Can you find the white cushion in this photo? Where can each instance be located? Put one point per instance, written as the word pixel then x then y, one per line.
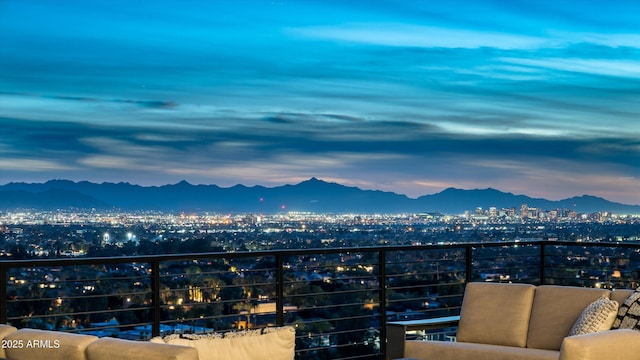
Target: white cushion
pixel 272 343
pixel 598 316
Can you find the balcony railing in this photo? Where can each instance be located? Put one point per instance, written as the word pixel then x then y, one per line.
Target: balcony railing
pixel 339 299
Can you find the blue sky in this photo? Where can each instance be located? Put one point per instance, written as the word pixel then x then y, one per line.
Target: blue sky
pixel 532 97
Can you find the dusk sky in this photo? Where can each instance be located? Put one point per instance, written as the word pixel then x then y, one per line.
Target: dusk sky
pixel 533 97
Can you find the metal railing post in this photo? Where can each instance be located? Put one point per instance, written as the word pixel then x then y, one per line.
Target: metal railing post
pixel 543 252
pixel 469 263
pixel 279 290
pixel 155 288
pixel 3 294
pixel 382 284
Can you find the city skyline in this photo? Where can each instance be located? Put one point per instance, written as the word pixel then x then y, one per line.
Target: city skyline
pixel 536 98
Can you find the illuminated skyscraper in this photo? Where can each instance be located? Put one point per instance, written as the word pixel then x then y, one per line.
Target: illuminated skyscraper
pixel 524 211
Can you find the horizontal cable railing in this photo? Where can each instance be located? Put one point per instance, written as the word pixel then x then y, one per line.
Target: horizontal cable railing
pixel 338 299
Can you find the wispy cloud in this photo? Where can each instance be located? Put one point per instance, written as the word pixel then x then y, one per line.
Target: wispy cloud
pixel 391 34
pixel 605 67
pixel 32 165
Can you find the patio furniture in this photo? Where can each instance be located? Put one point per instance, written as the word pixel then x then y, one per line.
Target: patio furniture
pixel 522 321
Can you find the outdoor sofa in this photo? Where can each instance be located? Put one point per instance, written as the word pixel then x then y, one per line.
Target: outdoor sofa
pixel 524 322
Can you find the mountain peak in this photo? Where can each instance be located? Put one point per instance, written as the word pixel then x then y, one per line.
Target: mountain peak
pixel 312 180
pixel 183 183
pixel 54 182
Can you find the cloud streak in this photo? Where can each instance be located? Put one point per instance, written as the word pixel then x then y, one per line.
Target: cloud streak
pixel 402 35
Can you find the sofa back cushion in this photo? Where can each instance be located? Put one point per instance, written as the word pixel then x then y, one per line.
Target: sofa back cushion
pixel 555 310
pixel 33 344
pixel 497 314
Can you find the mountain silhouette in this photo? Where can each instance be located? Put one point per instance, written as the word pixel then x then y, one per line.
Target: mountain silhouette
pixel 311 195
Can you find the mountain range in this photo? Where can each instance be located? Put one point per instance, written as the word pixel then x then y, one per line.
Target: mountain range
pixel 312 195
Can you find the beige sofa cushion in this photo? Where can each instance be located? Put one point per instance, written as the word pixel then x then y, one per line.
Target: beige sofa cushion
pixel 603 345
pixel 276 343
pixel 446 350
pixel 47 345
pixel 4 331
pixel 494 313
pixel 555 310
pixel 110 348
